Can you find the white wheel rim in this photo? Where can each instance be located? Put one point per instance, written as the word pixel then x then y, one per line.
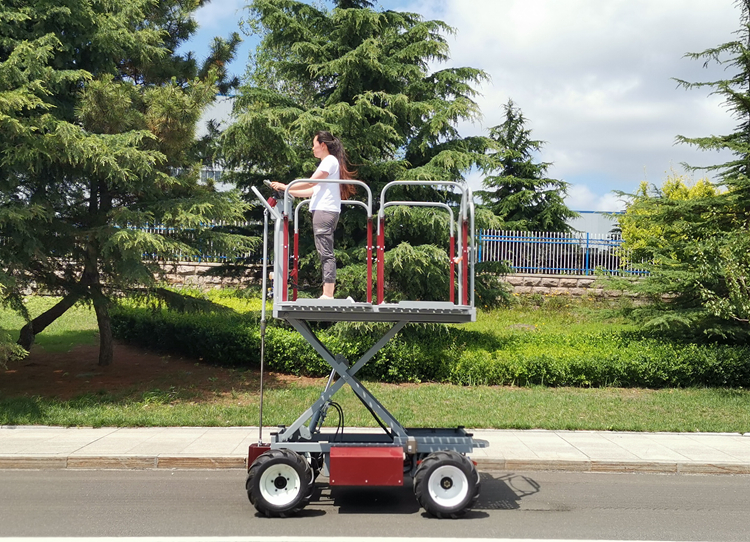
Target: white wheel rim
pixel 448 486
pixel 279 484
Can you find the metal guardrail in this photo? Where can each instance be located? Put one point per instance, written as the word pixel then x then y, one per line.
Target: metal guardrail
pixel 554 253
pixel 526 252
pixel 205 255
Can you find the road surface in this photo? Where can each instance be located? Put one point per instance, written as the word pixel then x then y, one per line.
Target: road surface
pixel 544 505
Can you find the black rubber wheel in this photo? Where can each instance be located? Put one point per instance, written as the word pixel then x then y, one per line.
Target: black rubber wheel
pixel 446 484
pixel 279 483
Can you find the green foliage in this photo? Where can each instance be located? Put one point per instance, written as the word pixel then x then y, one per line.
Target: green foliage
pixel 98 115
pixel 225 338
pixel 9 351
pixel 490 290
pixel 641 225
pixel 605 359
pixel 233 339
pixel 518 192
pixel 416 272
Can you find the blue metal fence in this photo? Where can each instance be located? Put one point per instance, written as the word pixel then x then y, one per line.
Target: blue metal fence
pixel 526 252
pixel 553 252
pixel 207 253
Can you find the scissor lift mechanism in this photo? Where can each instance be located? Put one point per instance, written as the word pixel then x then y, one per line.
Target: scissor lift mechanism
pixel 281 473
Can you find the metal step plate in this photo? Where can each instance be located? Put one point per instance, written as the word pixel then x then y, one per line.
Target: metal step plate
pixel 335 310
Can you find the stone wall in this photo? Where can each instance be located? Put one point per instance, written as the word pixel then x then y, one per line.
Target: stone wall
pixel 573 285
pixel 198 275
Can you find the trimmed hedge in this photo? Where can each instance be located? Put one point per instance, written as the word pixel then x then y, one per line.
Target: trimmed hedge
pixel 233 339
pixel 606 359
pixel 441 353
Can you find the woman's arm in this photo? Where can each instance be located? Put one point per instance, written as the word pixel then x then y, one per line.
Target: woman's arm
pixel 301 190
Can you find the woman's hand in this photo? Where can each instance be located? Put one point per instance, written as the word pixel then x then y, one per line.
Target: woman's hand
pixel 279 187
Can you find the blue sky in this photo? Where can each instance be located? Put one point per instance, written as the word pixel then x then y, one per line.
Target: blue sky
pixel 593 78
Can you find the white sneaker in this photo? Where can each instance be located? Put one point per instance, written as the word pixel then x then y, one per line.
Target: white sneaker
pixel 325 297
pixel 350 299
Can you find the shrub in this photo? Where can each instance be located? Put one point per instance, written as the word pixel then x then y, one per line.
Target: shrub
pixel 497 356
pixel 608 359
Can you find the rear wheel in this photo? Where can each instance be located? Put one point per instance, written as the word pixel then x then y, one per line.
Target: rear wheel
pixel 446 484
pixel 279 483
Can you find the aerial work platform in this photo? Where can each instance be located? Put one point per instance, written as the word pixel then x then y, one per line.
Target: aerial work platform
pixel 281 473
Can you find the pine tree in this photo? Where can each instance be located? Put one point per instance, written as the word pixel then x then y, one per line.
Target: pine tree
pixel 702 263
pixel 98 116
pixel 363 75
pixel 519 193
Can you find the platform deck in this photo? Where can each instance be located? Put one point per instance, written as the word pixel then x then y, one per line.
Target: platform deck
pixel 337 310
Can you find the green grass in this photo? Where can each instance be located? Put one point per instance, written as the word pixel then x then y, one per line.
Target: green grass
pixel 524 328
pixel 76 326
pixel 424 405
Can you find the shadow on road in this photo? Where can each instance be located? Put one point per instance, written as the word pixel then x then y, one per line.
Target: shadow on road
pixel 499 492
pixel 372 500
pixel 504 492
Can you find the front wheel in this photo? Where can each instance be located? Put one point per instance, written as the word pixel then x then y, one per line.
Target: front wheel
pixel 279 483
pixel 446 484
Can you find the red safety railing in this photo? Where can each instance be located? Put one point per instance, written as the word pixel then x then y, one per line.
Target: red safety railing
pixel 285 260
pixel 381 259
pixel 294 273
pixel 462 239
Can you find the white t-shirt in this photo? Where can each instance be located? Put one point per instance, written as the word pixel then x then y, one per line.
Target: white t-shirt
pixel 327 196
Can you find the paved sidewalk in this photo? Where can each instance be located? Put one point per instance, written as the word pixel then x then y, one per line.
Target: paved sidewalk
pixel 41 447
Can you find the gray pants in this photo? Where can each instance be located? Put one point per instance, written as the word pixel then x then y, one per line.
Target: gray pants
pixel 324 224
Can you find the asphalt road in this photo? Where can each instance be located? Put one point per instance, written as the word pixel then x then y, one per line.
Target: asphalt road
pixel 545 505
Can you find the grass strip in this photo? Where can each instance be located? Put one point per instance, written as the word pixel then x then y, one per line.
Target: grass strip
pixel 423 405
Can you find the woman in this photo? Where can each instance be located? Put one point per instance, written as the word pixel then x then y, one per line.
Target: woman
pixel 325 200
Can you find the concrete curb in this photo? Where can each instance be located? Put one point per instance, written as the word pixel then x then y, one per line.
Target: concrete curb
pixel 122 463
pixel 40 447
pixel 483 464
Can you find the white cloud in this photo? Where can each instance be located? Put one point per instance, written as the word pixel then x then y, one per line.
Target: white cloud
pixel 593 78
pixel 219 14
pixel 581 198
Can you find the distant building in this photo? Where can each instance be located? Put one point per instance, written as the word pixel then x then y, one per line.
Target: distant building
pixel 214 175
pixel 596 222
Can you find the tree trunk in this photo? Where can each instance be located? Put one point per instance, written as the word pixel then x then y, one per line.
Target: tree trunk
pixel 106 345
pixel 38 324
pixel 101 302
pixel 101 305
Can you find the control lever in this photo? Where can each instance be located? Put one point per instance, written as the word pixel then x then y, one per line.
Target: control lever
pixel 277 193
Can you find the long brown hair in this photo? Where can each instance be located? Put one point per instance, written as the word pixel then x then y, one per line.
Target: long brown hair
pixel 336 148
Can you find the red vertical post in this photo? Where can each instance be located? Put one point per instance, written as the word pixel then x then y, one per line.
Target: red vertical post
pixel 295 266
pixel 285 261
pixel 381 260
pixel 452 285
pixel 465 261
pixel 369 259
